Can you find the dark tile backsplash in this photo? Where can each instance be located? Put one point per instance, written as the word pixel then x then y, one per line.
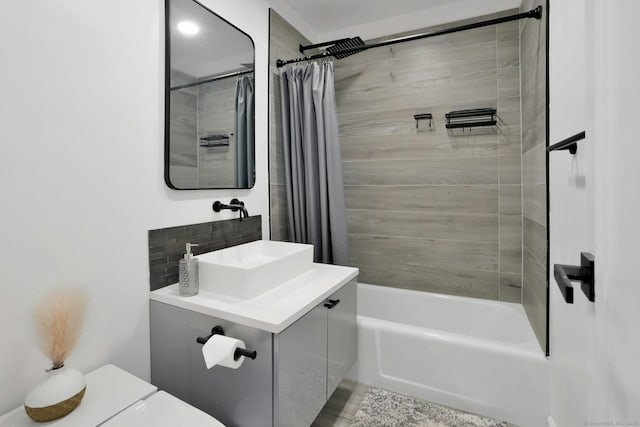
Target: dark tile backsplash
pixel 167 245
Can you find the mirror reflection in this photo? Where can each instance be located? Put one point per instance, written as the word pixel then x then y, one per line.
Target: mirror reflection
pixel 209 123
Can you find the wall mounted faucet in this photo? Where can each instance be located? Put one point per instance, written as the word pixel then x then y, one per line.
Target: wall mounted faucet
pixel 234 206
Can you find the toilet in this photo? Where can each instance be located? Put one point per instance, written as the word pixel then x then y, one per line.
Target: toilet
pixel 162 409
pixel 115 398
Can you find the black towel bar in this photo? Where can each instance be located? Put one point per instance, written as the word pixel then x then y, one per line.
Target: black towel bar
pixel 568 144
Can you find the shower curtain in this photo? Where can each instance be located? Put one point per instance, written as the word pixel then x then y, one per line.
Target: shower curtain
pixel 313 172
pixel 244 128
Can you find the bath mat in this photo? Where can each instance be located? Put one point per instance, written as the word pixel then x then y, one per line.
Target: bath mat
pixel 385 408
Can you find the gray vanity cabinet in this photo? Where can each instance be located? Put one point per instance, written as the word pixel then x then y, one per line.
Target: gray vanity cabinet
pixel 236 397
pixel 292 377
pixel 342 336
pixel 301 370
pixel 313 355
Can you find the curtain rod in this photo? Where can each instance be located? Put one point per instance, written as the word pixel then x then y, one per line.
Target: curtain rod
pixel 211 79
pixel 533 13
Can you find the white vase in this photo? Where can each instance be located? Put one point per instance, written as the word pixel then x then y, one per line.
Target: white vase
pixel 58 395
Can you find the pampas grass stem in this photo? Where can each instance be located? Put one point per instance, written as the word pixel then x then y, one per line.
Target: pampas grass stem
pixel 59 319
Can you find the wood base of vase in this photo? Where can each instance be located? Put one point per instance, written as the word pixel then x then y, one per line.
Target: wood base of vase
pixel 60 409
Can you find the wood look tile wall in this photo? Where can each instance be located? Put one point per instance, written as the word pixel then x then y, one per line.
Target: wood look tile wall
pixel 183 129
pixel 432 210
pixel 196 112
pixel 216 115
pixel 534 181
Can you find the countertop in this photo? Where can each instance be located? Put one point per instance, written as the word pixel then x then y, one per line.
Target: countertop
pixel 272 311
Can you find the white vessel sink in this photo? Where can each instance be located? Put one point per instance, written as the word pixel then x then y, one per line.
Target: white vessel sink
pixel 248 270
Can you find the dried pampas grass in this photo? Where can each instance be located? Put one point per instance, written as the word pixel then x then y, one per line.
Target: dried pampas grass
pixel 59 318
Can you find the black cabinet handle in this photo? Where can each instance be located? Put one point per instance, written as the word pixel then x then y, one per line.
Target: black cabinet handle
pixel 584 273
pixel 332 303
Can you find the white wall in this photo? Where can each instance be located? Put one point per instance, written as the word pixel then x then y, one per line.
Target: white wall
pixel 612 48
pixel 570 230
pixel 450 11
pixel 81 164
pixel 593 207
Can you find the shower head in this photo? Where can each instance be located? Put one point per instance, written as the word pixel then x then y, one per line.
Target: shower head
pixel 346 44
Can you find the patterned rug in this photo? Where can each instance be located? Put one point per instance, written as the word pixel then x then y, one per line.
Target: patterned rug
pixel 382 408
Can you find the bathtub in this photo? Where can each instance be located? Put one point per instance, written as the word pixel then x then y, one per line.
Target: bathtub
pixel 471 354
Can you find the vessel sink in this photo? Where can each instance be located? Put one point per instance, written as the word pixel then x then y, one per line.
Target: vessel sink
pixel 251 269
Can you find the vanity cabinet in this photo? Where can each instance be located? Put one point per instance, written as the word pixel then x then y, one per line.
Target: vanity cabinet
pixel 294 374
pixel 313 356
pixel 300 374
pixel 342 336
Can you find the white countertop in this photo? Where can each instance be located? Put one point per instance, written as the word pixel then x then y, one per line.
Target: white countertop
pixel 272 311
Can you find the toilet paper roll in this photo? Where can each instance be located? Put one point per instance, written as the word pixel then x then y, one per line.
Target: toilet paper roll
pixel 219 350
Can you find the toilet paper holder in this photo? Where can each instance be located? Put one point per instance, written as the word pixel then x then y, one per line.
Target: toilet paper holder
pixel 217 330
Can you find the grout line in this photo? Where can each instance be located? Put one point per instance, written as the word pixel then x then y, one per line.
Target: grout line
pixel 423 211
pixel 484 242
pixel 423 185
pixel 404 159
pixel 499 180
pixel 426 185
pixel 520 27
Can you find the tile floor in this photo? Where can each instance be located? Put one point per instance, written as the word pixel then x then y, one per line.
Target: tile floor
pixel 341 408
pixel 343 405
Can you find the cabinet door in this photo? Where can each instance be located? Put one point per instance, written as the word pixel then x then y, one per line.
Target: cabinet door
pixel 236 397
pixel 300 378
pixel 342 335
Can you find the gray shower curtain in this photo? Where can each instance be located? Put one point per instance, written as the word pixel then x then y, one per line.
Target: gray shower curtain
pixel 313 171
pixel 245 134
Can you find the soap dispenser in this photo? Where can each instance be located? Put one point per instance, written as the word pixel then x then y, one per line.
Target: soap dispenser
pixel 188 270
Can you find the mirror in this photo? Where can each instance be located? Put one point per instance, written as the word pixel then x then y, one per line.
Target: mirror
pixel 209 100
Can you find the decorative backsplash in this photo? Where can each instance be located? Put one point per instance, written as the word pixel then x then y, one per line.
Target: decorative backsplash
pixel 167 245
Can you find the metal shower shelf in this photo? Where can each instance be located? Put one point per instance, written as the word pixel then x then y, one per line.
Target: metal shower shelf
pixel 215 140
pixel 471 118
pixel 427 117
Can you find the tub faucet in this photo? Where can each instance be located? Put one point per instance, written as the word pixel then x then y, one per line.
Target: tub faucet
pixel 234 206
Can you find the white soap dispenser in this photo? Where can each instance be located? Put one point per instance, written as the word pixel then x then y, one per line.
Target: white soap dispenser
pixel 188 270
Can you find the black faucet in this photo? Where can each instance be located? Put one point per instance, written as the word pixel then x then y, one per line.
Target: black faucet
pixel 234 206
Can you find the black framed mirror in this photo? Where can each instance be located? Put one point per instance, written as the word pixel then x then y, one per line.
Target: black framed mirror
pixel 209 100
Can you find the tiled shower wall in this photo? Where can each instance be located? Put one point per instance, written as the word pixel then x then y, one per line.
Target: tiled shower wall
pixel 200 111
pixel 427 210
pixel 431 210
pixel 183 129
pixel 216 115
pixel 534 104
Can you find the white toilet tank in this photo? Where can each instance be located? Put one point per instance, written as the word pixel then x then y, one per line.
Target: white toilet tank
pixel 162 410
pixel 116 398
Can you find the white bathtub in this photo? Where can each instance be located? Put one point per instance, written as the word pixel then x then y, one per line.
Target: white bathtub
pixel 476 355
